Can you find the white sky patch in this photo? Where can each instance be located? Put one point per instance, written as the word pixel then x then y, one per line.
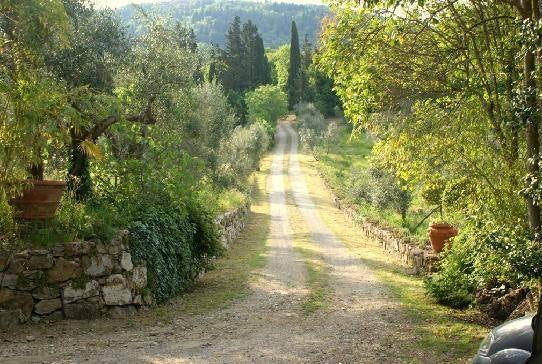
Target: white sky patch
pixel 117 3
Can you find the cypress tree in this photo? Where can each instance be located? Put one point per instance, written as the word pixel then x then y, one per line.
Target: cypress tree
pixel 262 68
pixel 235 77
pixel 248 36
pixel 294 82
pixel 307 93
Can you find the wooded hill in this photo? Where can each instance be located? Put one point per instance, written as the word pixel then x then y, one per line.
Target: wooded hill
pixel 210 19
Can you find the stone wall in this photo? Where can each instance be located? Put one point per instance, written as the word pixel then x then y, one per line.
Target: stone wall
pixel 83 280
pixel 231 223
pixel 78 280
pixel 421 260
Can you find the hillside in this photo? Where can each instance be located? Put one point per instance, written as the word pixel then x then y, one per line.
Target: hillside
pixel 210 18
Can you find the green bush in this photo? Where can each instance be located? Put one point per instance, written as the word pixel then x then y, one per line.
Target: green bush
pixel 241 154
pixel 454 285
pixel 266 104
pixel 175 242
pixel 308 117
pixel 380 188
pixel 485 256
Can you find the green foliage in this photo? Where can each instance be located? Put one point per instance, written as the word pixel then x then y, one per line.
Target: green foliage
pixel 308 117
pixel 325 98
pixel 241 153
pixel 426 101
pixel 280 63
pixel 242 66
pixel 311 126
pixel 132 126
pixel 210 18
pixel 293 85
pixel 380 188
pixel 267 103
pixel 454 284
pixel 174 244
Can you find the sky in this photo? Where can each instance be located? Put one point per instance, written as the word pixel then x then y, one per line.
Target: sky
pixel 117 3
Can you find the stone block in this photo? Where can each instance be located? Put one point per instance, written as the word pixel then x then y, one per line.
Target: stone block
pixel 126 261
pixel 25 254
pixel 98 265
pixel 17 265
pixel 101 248
pixel 138 300
pixel 63 270
pixel 71 294
pixel 54 317
pixel 139 277
pixel 39 252
pixel 114 247
pixel 13 300
pixel 82 310
pixel 77 248
pixel 29 280
pixel 10 318
pixel 46 293
pixel 57 250
pixel 45 307
pixel 116 292
pixel 8 280
pixel 40 262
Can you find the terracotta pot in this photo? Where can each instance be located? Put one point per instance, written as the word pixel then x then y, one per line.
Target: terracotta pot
pixel 439 235
pixel 39 201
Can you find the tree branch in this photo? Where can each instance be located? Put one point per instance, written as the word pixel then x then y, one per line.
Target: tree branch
pixel 145 117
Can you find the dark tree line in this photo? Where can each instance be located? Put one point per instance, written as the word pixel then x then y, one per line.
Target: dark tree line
pixel 242 65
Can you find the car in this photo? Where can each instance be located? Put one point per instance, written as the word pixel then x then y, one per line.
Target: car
pixel 509 343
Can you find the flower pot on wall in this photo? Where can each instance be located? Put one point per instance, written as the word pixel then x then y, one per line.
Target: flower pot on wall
pixel 440 234
pixel 39 201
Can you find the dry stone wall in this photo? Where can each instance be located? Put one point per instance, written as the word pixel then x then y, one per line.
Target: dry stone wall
pixel 84 279
pixel 231 223
pixel 77 280
pixel 421 260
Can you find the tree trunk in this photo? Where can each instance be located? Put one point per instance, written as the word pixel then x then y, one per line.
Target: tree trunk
pixel 79 182
pixel 532 133
pixel 533 158
pixel 36 171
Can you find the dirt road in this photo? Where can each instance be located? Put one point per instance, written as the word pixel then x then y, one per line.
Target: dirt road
pixel 360 324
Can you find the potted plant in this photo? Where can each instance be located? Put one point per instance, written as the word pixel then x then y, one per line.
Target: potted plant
pixel 440 233
pixel 38 198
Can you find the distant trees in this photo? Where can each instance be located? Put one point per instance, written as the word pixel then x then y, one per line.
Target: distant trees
pixel 294 71
pixel 210 18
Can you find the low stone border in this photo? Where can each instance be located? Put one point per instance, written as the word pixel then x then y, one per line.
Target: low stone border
pixel 231 223
pixel 421 260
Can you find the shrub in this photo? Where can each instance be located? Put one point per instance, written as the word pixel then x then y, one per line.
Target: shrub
pixel 175 242
pixel 308 117
pixel 485 256
pixel 380 188
pixel 454 285
pixel 241 153
pixel 267 103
